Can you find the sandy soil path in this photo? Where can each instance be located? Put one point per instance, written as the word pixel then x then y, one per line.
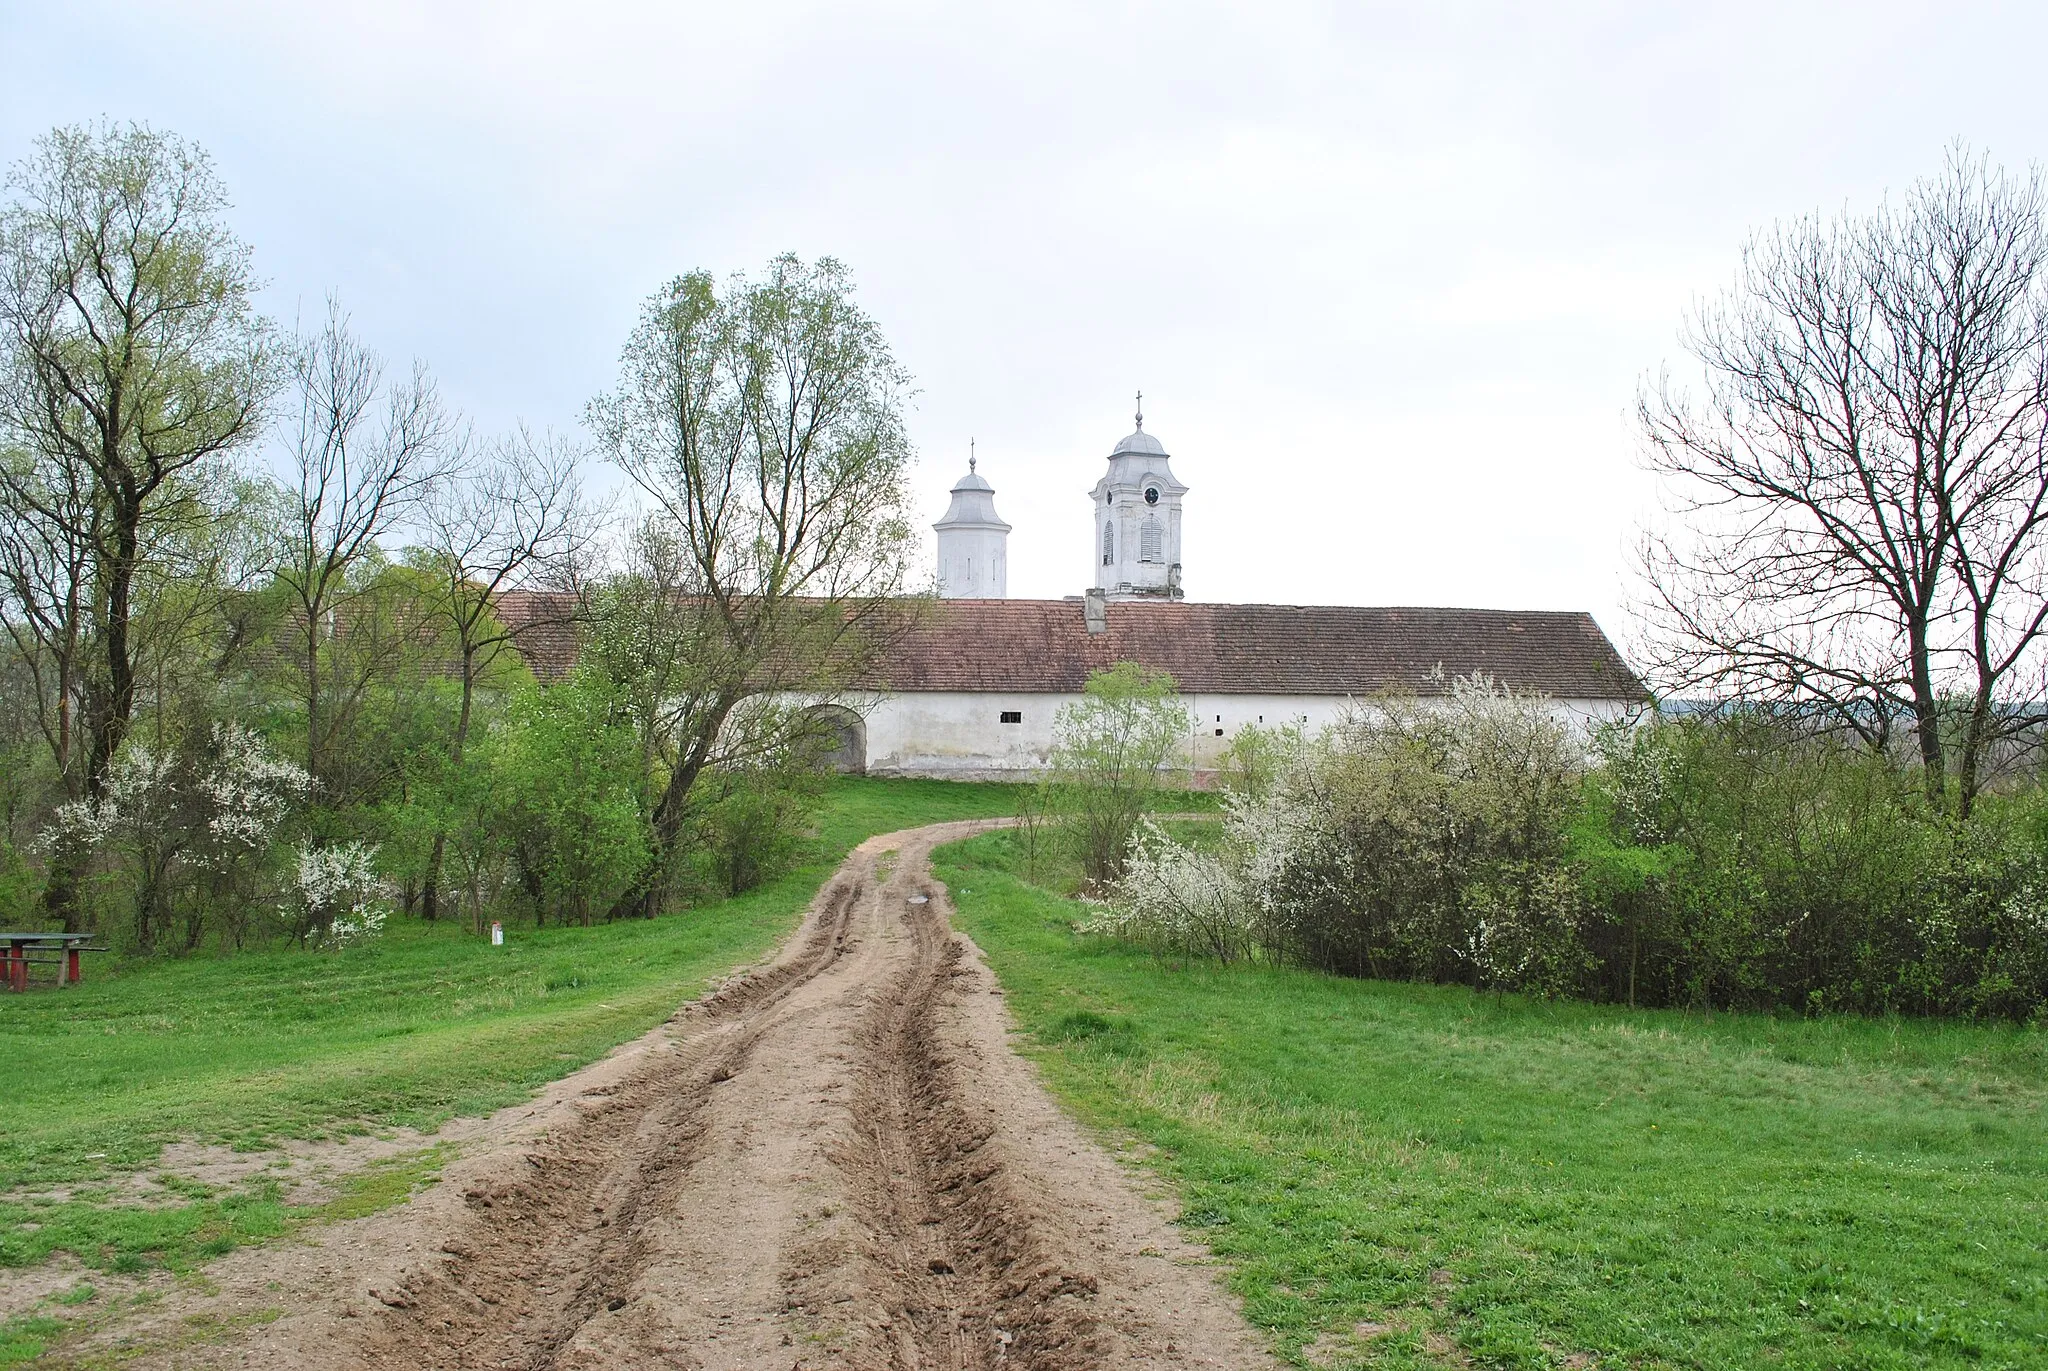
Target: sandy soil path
pixel 833 1161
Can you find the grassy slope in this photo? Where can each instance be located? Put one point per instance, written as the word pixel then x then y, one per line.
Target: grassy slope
pixel 1520 1182
pixel 426 1023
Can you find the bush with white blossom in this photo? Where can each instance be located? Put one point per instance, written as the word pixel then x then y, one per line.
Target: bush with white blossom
pixel 1408 840
pixel 190 832
pixel 338 890
pixel 1177 900
pixel 249 793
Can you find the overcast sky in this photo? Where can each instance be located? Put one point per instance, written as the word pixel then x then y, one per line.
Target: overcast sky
pixel 1389 276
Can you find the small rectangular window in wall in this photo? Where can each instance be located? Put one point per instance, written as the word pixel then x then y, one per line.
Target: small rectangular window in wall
pixel 1013 716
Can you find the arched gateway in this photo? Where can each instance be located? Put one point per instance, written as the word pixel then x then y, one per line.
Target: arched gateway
pixel 841 739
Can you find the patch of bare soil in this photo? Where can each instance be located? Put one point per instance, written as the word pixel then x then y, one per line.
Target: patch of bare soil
pixel 305 1171
pixel 833 1161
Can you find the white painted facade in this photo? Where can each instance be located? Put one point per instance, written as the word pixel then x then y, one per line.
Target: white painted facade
pixel 974 557
pixel 963 735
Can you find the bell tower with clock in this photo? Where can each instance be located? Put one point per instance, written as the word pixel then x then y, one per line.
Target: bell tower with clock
pixel 1136 543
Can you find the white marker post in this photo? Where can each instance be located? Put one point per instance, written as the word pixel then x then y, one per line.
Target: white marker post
pixel 497 934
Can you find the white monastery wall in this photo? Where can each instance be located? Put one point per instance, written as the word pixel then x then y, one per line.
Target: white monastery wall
pixel 961 734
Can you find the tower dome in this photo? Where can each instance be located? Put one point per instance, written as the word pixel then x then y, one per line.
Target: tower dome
pixel 973 542
pixel 1140 442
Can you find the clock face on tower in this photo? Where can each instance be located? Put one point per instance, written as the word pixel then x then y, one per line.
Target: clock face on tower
pixel 1151 495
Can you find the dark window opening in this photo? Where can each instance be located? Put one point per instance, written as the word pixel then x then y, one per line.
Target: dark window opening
pixel 1219 733
pixel 1013 716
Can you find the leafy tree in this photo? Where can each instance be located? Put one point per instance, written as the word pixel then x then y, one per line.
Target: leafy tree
pixel 387 698
pixel 763 421
pixel 751 821
pixel 1258 759
pixel 1112 751
pixel 514 515
pixel 362 452
pixel 48 518
pixel 133 354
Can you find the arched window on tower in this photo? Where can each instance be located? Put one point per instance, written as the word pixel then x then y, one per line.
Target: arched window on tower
pixel 1109 544
pixel 1149 540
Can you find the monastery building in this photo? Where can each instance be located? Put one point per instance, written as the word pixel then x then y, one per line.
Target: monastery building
pixel 975 690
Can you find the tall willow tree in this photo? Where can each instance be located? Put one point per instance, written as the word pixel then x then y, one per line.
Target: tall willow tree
pixel 131 353
pixel 763 419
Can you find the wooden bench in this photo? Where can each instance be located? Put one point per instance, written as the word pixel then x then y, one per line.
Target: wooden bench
pixel 59 951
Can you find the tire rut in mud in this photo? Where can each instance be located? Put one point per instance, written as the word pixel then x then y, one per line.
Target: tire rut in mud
pixel 957 1257
pixel 550 1248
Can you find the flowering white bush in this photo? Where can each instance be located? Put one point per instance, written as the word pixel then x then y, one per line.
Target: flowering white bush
pixel 1175 899
pixel 248 794
pixel 140 788
pixel 337 893
pixel 1407 839
pixel 191 830
pixel 240 791
pixel 1283 842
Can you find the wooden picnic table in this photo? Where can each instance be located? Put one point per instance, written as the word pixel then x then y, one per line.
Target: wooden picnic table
pixel 19 951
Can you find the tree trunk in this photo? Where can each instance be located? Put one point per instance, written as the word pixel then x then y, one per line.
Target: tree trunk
pixel 642 899
pixel 108 711
pixel 1970 757
pixel 1927 725
pixel 430 895
pixel 314 759
pixel 110 723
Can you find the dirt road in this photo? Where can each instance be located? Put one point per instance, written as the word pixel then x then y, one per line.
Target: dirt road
pixel 834 1161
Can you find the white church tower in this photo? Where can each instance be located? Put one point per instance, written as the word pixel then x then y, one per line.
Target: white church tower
pixel 973 543
pixel 1137 521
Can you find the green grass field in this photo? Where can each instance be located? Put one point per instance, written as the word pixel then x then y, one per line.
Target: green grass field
pixel 426 1023
pixel 1413 1176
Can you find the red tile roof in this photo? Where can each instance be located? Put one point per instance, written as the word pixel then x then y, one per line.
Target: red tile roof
pixel 543 627
pixel 1044 645
pixel 1038 646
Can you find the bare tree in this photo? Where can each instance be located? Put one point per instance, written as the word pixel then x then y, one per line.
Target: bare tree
pixel 1863 481
pixel 512 518
pixel 765 425
pixel 362 452
pixel 133 352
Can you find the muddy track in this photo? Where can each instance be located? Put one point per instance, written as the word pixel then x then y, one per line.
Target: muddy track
pixel 834 1160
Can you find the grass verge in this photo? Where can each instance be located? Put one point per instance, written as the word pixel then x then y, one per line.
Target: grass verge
pixel 1411 1176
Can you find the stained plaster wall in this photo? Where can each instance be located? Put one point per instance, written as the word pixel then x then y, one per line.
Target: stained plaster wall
pixel 959 734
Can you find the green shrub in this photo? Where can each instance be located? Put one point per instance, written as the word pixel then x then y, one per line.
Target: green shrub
pixel 1113 749
pixel 751 822
pixel 567 760
pixel 1725 860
